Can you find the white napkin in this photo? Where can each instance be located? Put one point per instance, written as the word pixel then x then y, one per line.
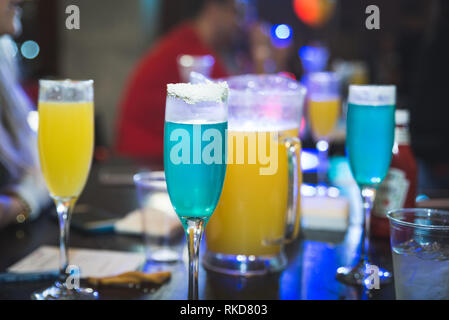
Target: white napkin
pixel 92 263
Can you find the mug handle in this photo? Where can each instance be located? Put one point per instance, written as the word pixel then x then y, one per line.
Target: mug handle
pixel 294 178
pixel 293 147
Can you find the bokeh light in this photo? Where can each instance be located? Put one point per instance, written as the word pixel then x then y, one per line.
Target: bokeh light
pixel 30 49
pixel 314 13
pixel 282 31
pixel 281 35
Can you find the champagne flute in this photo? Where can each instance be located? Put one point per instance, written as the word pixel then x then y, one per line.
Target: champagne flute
pixel 369 144
pixel 66 142
pixel 323 109
pixel 195 144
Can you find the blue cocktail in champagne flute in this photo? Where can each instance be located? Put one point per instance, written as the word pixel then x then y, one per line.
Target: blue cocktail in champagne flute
pixel 369 144
pixel 196 121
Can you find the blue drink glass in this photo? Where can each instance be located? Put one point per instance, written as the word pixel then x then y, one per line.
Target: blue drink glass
pixel 369 143
pixel 195 147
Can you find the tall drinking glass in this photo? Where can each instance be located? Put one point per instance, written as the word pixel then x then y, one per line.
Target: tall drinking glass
pixel 66 141
pixel 196 121
pixel 369 144
pixel 157 214
pixel 324 109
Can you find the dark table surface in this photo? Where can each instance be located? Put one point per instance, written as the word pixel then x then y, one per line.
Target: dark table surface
pixel 312 259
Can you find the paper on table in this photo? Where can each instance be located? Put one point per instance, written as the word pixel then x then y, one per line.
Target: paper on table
pixel 157 223
pixel 92 263
pixel 156 218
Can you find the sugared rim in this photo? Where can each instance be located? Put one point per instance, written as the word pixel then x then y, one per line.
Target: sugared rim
pixel 418 225
pixel 193 93
pixel 372 95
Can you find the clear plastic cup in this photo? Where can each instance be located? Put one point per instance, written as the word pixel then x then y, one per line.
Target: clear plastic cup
pixel 420 248
pixel 161 227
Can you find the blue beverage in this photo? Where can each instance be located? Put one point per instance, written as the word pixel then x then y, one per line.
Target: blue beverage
pixel 369 142
pixel 195 166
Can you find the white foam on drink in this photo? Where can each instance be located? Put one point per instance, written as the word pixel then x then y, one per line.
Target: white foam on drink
pixel 193 93
pixel 372 95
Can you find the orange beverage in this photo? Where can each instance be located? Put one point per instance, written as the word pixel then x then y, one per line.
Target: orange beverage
pixel 323 115
pixel 250 217
pixel 66 142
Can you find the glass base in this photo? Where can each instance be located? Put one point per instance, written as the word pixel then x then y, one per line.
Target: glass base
pixel 358 275
pixel 59 292
pixel 243 265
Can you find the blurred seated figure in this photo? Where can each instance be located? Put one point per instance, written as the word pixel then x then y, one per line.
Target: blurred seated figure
pixel 22 189
pixel 141 118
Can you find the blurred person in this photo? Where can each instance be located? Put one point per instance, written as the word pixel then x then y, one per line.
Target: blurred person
pixel 22 189
pixel 268 55
pixel 140 125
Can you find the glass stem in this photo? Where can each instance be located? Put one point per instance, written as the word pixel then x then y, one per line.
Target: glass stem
pixel 64 209
pixel 323 148
pixel 368 194
pixel 194 228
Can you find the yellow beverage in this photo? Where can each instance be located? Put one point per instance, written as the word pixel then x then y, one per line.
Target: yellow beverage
pixel 323 116
pixel 66 138
pixel 251 212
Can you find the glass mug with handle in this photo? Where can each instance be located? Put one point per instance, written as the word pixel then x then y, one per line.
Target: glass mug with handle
pixel 259 207
pixel 66 143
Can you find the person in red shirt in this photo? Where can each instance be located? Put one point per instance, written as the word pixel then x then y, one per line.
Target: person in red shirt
pixel 141 118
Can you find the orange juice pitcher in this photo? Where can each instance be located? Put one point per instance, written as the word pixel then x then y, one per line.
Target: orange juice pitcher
pixel 258 211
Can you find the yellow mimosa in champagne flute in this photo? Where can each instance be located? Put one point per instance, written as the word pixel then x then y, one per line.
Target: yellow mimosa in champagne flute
pixel 66 137
pixel 66 142
pixel 323 116
pixel 324 109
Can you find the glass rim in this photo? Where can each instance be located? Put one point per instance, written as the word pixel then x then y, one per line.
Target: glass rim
pixel 375 86
pixel 330 76
pixel 391 213
pixel 294 87
pixel 209 59
pixel 372 94
pixel 68 82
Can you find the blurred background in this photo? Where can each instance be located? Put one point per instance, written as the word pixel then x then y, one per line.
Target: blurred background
pixel 409 50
